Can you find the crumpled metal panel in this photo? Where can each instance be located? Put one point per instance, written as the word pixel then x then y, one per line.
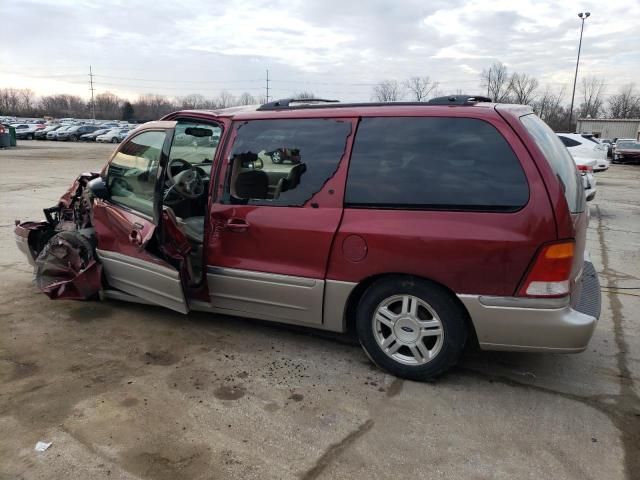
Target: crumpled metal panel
pixel 66 268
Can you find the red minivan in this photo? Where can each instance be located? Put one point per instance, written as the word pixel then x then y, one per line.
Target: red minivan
pixel 418 226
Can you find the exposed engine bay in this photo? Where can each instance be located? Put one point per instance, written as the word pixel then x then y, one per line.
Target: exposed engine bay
pixel 61 249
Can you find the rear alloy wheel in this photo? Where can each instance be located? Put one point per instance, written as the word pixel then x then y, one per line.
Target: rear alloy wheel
pixel 410 327
pixel 73 138
pixel 114 140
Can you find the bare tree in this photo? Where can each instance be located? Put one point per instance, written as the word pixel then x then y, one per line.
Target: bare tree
pixel 225 100
pixel 496 80
pixel 17 101
pixel 592 94
pixel 523 88
pixel 152 107
pixel 10 101
pixel 193 101
pixel 420 87
pixel 26 101
pixel 63 106
pixel 108 105
pixel 304 95
pixel 387 91
pixel 549 108
pixel 246 99
pixel 625 104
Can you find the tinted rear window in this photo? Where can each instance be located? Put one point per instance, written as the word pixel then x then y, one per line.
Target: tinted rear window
pixel 559 159
pixel 434 163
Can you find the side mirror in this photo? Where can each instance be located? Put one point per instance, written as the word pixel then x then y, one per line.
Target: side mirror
pixel 99 188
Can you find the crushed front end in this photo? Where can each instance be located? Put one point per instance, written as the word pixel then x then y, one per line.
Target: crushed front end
pixel 62 247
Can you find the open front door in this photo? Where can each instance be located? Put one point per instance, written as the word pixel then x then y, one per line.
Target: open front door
pixel 125 223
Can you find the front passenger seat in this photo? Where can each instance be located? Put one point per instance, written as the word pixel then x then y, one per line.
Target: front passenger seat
pixel 291 181
pixel 252 184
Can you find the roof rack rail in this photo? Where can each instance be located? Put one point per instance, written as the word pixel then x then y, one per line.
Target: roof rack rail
pixel 292 103
pixel 458 100
pixel 286 103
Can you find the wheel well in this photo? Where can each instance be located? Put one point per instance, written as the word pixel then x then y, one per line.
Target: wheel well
pixel 358 292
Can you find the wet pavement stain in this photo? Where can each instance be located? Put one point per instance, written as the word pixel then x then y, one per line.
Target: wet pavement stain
pixel 89 312
pixel 230 392
pixel 160 358
pixel 296 397
pixel 22 370
pixel 335 450
pixel 271 407
pixel 395 388
pixel 129 402
pixel 180 461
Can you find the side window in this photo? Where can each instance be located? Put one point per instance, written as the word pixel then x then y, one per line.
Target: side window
pixel 132 173
pixel 434 163
pixel 568 142
pixel 284 162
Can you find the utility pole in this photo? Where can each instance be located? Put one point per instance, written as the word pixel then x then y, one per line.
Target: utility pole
pixel 583 16
pixel 93 104
pixel 267 86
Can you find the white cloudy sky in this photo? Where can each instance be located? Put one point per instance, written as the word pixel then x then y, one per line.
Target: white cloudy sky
pixel 334 48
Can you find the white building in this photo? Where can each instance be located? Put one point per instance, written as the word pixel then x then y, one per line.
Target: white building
pixel 610 127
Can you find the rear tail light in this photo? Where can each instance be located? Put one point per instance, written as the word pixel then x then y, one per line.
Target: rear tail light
pixel 551 272
pixel 585 168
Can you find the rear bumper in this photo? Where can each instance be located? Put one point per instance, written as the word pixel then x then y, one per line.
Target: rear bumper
pixel 537 325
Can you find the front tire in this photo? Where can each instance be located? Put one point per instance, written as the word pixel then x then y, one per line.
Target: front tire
pixel 114 140
pixel 410 327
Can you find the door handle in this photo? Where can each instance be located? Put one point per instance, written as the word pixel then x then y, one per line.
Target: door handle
pixel 237 225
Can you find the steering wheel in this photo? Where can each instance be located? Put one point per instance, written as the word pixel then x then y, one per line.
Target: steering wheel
pixel 178 163
pixel 188 183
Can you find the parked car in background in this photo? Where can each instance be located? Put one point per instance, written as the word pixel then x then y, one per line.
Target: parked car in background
pixel 115 135
pixel 110 125
pixel 74 133
pixel 586 146
pixel 368 218
pixel 42 133
pixel 609 144
pixel 91 137
pixel 627 151
pixel 586 168
pixel 53 134
pixel 27 131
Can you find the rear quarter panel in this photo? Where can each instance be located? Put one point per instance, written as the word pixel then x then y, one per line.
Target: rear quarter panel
pixel 468 252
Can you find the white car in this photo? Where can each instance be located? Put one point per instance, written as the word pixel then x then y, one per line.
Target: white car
pixel 586 167
pixel 112 136
pixel 586 146
pixel 27 130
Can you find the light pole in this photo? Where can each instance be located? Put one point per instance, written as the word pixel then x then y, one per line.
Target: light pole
pixel 583 16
